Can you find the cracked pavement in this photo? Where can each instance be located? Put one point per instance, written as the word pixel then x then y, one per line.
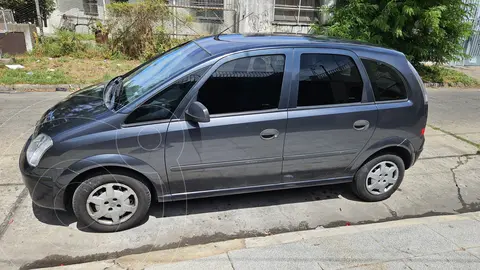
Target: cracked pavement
pixel 462 160
pixel 444 181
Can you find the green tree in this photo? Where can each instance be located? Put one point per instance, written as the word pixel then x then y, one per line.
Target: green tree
pixel 424 30
pixel 24 10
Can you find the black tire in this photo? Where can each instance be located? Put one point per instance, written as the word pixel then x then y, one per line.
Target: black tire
pixel 79 201
pixel 359 185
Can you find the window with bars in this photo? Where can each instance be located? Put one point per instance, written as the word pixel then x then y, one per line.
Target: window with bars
pixel 296 11
pixel 211 10
pixel 90 7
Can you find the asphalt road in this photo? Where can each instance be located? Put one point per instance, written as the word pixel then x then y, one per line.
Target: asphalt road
pixel 445 180
pixel 456 111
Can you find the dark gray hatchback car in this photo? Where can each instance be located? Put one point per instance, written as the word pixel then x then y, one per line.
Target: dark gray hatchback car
pixel 225 115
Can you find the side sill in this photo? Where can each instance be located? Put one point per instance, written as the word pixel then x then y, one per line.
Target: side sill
pixel 251 189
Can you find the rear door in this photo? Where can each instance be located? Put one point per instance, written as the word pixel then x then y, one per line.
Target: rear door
pixel 331 115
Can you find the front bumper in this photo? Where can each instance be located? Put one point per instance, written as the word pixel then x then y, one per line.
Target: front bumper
pixel 41 184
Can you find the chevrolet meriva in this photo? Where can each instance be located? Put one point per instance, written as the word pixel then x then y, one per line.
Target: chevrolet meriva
pixel 225 115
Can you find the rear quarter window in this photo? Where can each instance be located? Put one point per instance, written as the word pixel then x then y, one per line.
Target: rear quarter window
pixel 386 81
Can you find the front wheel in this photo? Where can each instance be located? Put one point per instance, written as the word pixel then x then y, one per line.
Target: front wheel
pixel 111 202
pixel 379 178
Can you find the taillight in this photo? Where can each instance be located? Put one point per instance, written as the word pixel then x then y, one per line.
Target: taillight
pixel 422 132
pixel 419 79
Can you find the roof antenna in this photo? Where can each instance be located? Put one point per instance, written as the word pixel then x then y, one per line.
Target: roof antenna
pixel 218 35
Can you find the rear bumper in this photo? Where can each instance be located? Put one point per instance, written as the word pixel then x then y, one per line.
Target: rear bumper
pixel 41 184
pixel 417 153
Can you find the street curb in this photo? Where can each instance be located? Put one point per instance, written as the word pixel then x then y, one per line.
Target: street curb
pixel 449 85
pixel 141 261
pixel 40 87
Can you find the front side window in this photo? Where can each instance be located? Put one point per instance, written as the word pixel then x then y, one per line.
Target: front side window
pixel 242 85
pixel 152 74
pixel 328 79
pixel 386 81
pixel 163 105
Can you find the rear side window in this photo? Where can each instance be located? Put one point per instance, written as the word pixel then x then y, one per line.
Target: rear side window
pixel 386 81
pixel 243 85
pixel 327 79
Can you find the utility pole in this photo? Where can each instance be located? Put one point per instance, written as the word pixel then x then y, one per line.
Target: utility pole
pixel 104 10
pixel 39 17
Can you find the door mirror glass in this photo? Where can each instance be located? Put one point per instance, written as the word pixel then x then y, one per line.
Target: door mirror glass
pixel 197 112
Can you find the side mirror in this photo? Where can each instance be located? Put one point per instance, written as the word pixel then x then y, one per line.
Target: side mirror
pixel 197 112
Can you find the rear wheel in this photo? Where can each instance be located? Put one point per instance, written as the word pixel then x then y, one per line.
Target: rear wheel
pixel 379 178
pixel 111 202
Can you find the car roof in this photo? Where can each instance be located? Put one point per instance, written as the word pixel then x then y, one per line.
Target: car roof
pixel 229 43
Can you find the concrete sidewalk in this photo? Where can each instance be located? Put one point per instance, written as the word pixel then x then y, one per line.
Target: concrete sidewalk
pixel 441 242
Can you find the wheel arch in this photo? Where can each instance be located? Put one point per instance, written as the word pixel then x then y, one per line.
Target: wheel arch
pixel 395 145
pixel 80 171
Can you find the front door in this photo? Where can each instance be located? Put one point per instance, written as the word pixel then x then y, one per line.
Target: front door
pixel 242 145
pixel 331 116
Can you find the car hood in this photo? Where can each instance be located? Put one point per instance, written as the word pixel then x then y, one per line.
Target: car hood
pixel 79 108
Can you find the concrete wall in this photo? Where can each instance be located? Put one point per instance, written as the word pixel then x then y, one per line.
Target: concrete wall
pixel 28 31
pixel 198 26
pixel 261 19
pixel 75 12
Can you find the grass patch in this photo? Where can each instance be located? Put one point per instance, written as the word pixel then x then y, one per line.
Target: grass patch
pixel 446 76
pixel 66 43
pixel 82 36
pixel 21 76
pixel 62 70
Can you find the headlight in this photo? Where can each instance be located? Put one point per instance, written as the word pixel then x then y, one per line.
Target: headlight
pixel 37 148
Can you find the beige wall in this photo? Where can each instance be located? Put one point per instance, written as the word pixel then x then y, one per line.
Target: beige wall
pixel 27 29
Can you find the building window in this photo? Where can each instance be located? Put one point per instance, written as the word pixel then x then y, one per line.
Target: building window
pixel 296 11
pixel 90 7
pixel 211 10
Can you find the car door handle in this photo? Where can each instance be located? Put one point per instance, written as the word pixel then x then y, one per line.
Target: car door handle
pixel 269 134
pixel 361 125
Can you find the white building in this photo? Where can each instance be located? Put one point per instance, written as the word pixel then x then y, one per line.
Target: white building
pixel 210 16
pixel 76 14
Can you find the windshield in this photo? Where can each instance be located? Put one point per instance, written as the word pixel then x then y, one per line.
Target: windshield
pixel 152 74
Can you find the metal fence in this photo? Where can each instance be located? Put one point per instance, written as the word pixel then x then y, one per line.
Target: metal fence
pixel 203 4
pixel 210 16
pixel 472 44
pixel 6 17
